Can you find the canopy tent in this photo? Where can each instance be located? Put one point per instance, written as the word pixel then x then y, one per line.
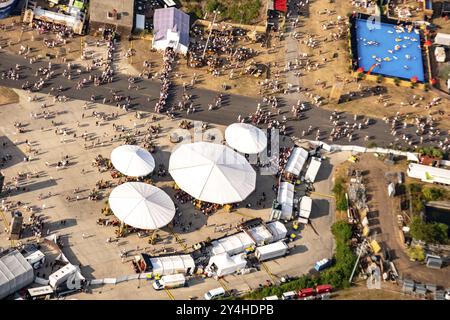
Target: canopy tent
pixel 172 265
pixel 277 229
pixel 286 199
pixel 233 244
pixel 171 29
pixel 246 138
pixel 223 264
pixel 296 161
pixel 15 273
pixel 212 172
pixel 260 234
pixel 141 205
pixel 132 161
pixel 313 169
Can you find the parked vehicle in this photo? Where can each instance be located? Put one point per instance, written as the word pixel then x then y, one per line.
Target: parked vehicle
pixel 290 295
pixel 271 298
pixel 270 251
pixel 215 293
pixel 322 264
pixel 170 282
pixel 324 288
pixel 308 292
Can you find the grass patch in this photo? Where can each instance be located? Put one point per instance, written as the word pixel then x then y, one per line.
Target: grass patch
pixel 337 275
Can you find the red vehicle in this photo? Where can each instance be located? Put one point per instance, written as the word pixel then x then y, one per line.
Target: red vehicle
pixel 308 292
pixel 324 288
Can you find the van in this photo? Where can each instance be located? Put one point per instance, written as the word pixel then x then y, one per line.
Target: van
pixel 290 295
pixel 170 282
pixel 215 293
pixel 271 298
pixel 324 288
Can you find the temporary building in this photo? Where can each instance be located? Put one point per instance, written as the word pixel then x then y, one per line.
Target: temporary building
pixel 141 205
pixel 172 264
pixel 296 161
pixel 233 244
pixel 246 138
pixel 277 229
pixel 286 199
pixel 260 234
pixel 171 30
pixel 132 161
pixel 15 273
pixel 313 169
pixel 305 209
pixel 270 251
pixel 442 39
pixel 428 173
pixel 212 172
pixel 224 264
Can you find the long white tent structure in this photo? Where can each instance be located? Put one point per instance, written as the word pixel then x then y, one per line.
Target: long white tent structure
pixel 212 172
pixel 246 138
pixel 141 205
pixel 234 244
pixel 286 199
pixel 296 161
pixel 172 265
pixel 132 161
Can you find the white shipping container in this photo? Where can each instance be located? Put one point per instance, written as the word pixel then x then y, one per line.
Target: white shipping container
pixel 270 251
pixel 61 275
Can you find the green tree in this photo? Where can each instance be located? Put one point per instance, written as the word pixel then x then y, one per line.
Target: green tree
pixel 433 194
pixel 416 253
pixel 429 232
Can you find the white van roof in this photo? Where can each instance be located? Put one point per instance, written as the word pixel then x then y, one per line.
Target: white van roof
pixel 216 291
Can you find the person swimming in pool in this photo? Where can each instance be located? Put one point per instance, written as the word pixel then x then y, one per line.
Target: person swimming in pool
pixel 406 67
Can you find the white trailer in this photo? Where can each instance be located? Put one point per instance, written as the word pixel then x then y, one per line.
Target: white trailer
pixel 36 259
pixel 305 209
pixel 170 282
pixel 428 173
pixel 61 275
pixel 313 169
pixel 270 251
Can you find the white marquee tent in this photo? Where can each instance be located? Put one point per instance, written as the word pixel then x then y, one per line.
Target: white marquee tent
pixel 225 264
pixel 296 161
pixel 212 172
pixel 172 265
pixel 246 138
pixel 234 244
pixel 141 205
pixel 286 199
pixel 15 273
pixel 132 161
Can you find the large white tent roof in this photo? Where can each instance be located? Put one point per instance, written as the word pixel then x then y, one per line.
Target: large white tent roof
pixel 132 161
pixel 212 172
pixel 227 264
pixel 15 273
pixel 172 264
pixel 142 205
pixel 233 244
pixel 246 138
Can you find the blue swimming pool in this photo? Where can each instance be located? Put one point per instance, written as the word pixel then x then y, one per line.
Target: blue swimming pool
pixel 394 51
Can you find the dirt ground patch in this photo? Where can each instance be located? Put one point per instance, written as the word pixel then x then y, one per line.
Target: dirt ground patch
pixel 360 292
pixel 8 96
pixel 382 216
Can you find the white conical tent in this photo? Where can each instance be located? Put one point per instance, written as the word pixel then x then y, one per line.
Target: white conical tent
pixel 141 205
pixel 132 161
pixel 212 172
pixel 245 138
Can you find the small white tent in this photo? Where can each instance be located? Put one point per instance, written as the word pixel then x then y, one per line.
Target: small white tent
pixel 223 264
pixel 171 29
pixel 442 39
